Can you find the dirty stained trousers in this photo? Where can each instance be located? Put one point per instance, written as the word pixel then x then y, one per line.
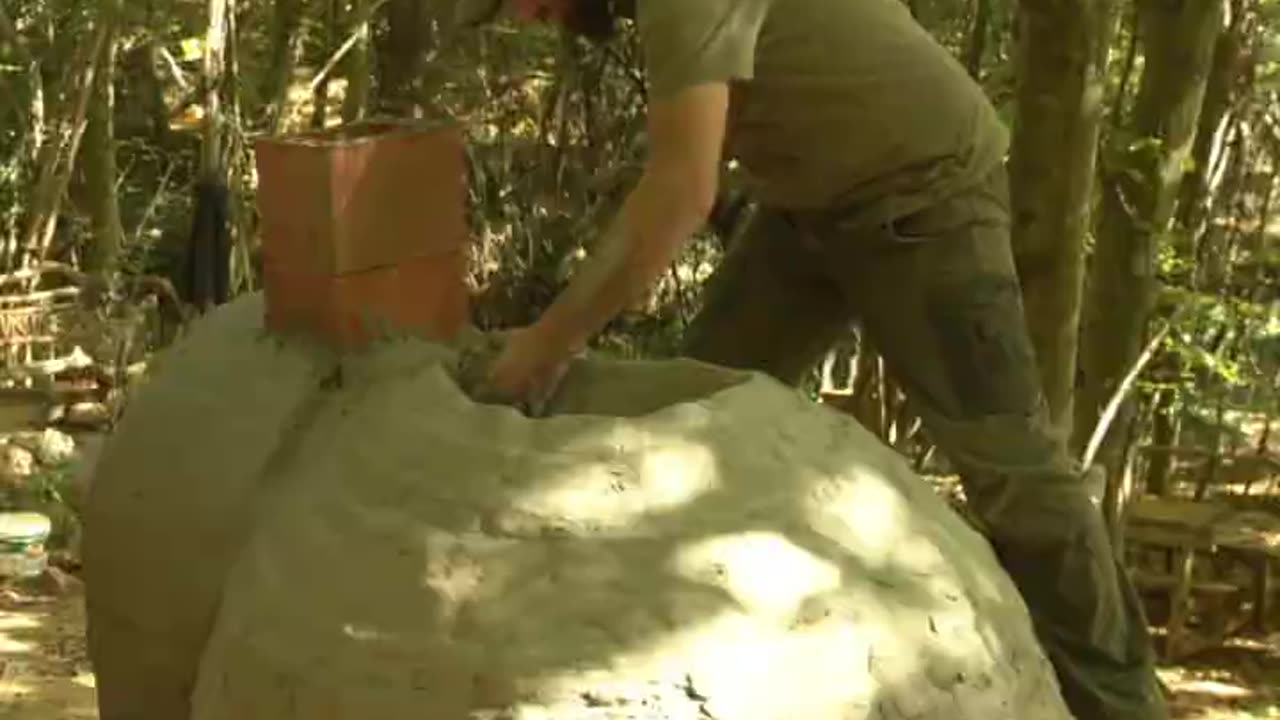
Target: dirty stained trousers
pixel 938 295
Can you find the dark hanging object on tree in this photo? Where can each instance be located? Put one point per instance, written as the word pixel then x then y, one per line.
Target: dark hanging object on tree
pixel 208 263
pixel 729 211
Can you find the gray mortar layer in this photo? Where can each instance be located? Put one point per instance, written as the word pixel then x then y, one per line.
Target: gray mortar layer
pixel 268 537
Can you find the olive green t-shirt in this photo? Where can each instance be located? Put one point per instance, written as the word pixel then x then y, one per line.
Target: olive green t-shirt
pixel 834 103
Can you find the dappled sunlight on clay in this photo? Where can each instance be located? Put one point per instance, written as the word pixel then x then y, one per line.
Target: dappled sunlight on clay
pixel 866 500
pixel 456 579
pixel 739 663
pixel 764 572
pixel 728 665
pixel 919 555
pixel 675 474
pixel 865 517
pixel 617 494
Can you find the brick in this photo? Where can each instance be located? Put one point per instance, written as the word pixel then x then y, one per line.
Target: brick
pixel 424 296
pixel 364 227
pixel 292 297
pixel 362 196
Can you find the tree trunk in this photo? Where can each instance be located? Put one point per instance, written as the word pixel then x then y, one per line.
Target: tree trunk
pixel 978 38
pixel 147 111
pixel 240 211
pixel 1166 427
pixel 356 104
pixel 12 46
pixel 100 170
pixel 400 58
pixel 1140 187
pixel 286 43
pixel 31 94
pixel 57 156
pixel 1209 477
pixel 1230 57
pixel 215 61
pixel 1061 57
pixel 320 95
pixel 1128 29
pixel 1197 197
pixel 1212 261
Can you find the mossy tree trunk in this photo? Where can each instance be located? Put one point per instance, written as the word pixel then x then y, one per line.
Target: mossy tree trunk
pixel 100 173
pixel 1061 56
pixel 1199 195
pixel 1143 168
pixel 1231 56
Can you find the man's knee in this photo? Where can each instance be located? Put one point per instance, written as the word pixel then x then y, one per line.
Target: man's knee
pixel 1049 506
pixel 987 354
pixel 1019 481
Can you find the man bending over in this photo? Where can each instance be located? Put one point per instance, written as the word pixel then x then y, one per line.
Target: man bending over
pixel 878 164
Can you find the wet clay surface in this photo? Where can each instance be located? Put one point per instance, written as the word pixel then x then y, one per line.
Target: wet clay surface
pixel 360 539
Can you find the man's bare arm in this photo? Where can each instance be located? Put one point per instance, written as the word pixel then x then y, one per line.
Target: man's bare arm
pixel 671 201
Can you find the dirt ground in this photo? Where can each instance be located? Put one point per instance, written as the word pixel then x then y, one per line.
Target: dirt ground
pixel 44 670
pixel 45 675
pixel 1238 682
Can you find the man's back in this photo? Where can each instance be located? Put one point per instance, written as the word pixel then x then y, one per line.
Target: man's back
pixel 835 102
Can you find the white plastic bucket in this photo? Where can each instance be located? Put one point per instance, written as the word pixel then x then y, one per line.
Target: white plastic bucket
pixel 22 544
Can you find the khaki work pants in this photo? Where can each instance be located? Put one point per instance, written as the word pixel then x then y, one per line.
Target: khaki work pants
pixel 938 295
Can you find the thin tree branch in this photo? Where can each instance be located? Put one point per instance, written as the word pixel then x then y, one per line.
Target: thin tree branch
pixel 174 69
pixel 346 46
pixel 56 174
pixel 1122 393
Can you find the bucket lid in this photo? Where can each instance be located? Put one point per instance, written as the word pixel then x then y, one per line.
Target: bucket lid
pixel 24 526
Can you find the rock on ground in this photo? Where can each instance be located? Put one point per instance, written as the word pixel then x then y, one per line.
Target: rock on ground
pixel 16 462
pixel 271 534
pixel 50 446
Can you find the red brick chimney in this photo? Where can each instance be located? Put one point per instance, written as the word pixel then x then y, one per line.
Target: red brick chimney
pixel 364 227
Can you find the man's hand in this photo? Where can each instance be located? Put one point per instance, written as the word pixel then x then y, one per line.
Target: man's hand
pixel 512 368
pixel 527 371
pixel 671 201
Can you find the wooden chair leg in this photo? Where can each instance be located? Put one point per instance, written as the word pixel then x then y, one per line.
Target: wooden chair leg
pixel 1262 593
pixel 1180 602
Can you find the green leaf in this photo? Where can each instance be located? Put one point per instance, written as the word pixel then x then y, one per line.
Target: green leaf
pixel 192 49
